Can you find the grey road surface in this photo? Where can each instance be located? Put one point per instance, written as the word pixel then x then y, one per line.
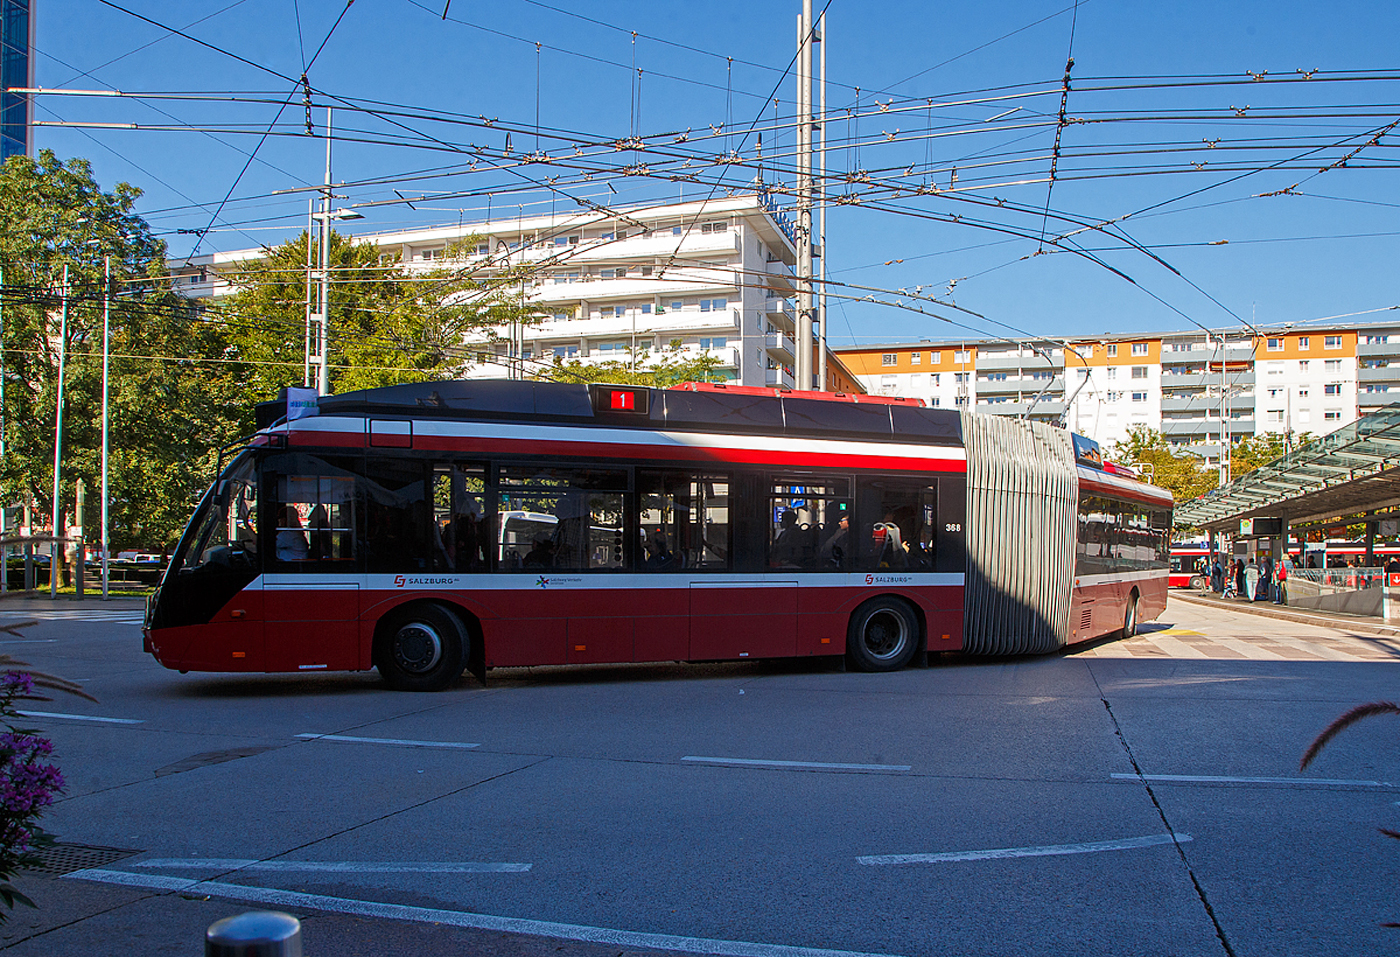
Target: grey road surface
pixel 1137 797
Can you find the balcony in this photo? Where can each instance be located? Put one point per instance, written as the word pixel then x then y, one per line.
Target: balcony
pixel 779 379
pixel 1190 403
pixel 1379 349
pixel 1388 374
pixel 1011 384
pixel 781 347
pixel 1371 401
pixel 781 278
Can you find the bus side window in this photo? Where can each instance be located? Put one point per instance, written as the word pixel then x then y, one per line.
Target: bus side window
pixel 396 515
pixel 460 537
pixel 810 523
pixel 896 526
pixel 313 511
pixel 568 519
pixel 682 521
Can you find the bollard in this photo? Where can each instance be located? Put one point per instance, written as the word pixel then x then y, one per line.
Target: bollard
pixel 259 933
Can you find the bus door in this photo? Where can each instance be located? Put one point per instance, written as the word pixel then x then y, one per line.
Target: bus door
pixel 311 598
pixel 683 532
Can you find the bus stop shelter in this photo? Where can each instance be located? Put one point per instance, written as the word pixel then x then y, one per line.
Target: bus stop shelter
pixel 1348 477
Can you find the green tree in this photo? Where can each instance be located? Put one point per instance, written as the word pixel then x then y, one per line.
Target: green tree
pixel 166 412
pixel 1253 451
pixel 387 326
pixel 659 370
pixel 1185 476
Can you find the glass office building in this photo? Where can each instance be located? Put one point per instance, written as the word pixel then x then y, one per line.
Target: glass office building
pixel 16 70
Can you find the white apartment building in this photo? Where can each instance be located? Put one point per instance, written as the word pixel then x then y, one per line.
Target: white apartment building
pixel 1194 391
pixel 714 275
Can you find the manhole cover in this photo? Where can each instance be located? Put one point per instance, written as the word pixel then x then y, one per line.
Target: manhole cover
pixel 67 858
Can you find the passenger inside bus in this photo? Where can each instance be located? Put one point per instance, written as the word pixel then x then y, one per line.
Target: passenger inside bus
pixel 659 557
pixel 541 554
pixel 291 540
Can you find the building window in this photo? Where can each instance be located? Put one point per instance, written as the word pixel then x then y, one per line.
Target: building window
pixel 1303 416
pixel 889 359
pixel 1139 396
pixel 1377 340
pixel 1139 372
pixel 1331 342
pixel 616 346
pixel 933 402
pixel 1332 388
pixel 646 308
pixel 933 379
pixel 960 400
pixel 916 358
pixel 1112 372
pixel 677 305
pixel 961 377
pixel 1114 396
pixel 963 355
pixel 935 358
pixel 1333 416
pixel 565 352
pixel 1083 374
pixel 994 377
pixel 1275 345
pixel 1139 348
pixel 714 342
pixel 713 305
pixel 1276 415
pixel 1302 393
pixel 1113 349
pixel 1304 342
pixel 1302 365
pixel 1331 365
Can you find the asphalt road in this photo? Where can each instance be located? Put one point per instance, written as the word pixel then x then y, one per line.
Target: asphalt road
pixel 1137 797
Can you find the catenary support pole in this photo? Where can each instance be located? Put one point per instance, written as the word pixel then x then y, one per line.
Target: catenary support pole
pixel 106 394
pixel 55 546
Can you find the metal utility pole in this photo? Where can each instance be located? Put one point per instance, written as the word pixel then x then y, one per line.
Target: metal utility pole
pixel 821 228
pixel 804 197
pixel 311 323
pixel 323 369
pixel 106 352
pixel 58 440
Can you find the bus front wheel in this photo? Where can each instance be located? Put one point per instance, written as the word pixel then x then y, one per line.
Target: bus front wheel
pixel 883 635
pixel 422 648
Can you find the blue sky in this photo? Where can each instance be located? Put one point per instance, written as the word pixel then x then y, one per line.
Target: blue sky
pixel 1166 124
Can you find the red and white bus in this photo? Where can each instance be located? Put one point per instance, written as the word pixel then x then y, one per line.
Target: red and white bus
pixel 1187 562
pixel 432 528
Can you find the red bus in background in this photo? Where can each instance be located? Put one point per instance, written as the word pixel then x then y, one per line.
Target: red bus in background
pixel 434 527
pixel 1187 566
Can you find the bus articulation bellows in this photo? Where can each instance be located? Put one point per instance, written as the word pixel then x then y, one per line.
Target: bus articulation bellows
pixel 432 528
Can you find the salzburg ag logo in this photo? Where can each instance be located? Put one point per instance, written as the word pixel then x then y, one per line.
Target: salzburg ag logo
pixel 398 581
pixel 870 579
pixel 543 582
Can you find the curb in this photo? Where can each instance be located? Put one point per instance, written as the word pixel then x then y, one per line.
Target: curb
pixel 1281 612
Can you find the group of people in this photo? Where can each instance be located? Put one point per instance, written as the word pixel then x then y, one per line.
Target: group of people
pixel 1253 581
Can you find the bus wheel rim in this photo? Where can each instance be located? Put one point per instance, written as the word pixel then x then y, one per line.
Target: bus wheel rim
pixel 417 647
pixel 884 634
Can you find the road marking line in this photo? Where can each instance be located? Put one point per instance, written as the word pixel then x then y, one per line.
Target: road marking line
pixel 337 867
pixel 817 765
pixel 78 717
pixel 514 925
pixel 1049 850
pixel 406 742
pixel 1315 648
pixel 1224 779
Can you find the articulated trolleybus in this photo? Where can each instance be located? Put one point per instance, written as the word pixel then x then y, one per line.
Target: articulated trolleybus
pixel 433 528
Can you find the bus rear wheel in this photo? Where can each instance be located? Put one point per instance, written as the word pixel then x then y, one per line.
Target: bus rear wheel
pixel 883 635
pixel 1130 616
pixel 422 648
